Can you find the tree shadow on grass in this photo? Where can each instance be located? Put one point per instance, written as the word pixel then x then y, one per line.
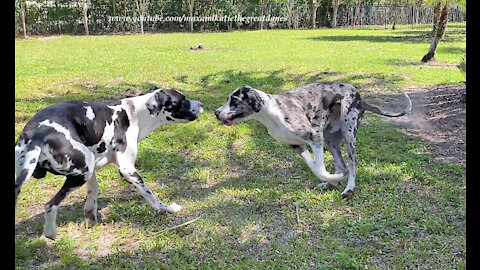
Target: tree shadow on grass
pixel 215 88
pixel 413 36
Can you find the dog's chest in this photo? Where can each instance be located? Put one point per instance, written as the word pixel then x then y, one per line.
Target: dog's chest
pixel 281 131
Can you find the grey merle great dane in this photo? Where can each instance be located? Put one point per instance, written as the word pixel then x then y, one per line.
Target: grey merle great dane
pixel 309 115
pixel 75 138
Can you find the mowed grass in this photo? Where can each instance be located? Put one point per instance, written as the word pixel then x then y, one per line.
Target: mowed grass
pixel 408 211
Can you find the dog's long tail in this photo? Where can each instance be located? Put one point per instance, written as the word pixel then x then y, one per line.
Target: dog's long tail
pixel 377 110
pixel 26 159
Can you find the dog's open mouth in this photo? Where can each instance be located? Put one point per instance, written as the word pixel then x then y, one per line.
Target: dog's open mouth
pixel 231 119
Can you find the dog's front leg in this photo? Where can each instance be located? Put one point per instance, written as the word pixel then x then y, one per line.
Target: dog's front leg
pixel 126 167
pixel 302 150
pixel 323 174
pixel 90 208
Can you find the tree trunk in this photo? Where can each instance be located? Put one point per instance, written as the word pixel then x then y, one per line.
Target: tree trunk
pixel 314 5
pixel 295 23
pixel 326 15
pixel 85 17
pixel 289 13
pixel 57 18
pixel 417 13
pixel 442 24
pixel 385 17
pixel 22 18
pixel 190 7
pixel 140 10
pixel 261 7
pixel 313 17
pixel 356 16
pixel 436 17
pixel 394 17
pixel 335 4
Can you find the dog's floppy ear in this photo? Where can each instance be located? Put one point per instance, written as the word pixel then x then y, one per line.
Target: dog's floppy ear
pixel 254 98
pixel 156 102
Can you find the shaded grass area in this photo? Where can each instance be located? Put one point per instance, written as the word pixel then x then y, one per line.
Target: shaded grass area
pixel 408 211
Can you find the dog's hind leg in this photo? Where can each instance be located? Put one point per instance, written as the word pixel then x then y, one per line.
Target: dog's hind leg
pixel 72 183
pixel 26 159
pixel 352 166
pixel 90 208
pixel 314 165
pixel 323 174
pixel 334 143
pixel 349 130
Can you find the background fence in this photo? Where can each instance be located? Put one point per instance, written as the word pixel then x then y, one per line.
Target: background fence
pixel 44 17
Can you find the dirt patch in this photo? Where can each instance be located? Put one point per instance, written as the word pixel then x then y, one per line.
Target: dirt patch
pixel 438 116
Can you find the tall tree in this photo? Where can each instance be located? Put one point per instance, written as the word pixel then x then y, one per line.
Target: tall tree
pixel 335 5
pixel 261 7
pixel 438 34
pixel 436 16
pixel 190 12
pixel 289 5
pixel 85 15
pixel 314 4
pixel 22 18
pixel 395 4
pixel 439 25
pixel 356 14
pixel 142 6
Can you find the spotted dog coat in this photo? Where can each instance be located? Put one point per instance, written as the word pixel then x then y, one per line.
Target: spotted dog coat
pixel 75 138
pixel 309 115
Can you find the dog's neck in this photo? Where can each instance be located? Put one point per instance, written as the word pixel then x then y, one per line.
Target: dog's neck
pixel 145 121
pixel 269 115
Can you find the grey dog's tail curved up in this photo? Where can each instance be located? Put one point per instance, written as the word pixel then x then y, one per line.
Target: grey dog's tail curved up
pixel 377 110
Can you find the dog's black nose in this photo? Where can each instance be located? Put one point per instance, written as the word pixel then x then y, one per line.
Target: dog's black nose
pixel 217 112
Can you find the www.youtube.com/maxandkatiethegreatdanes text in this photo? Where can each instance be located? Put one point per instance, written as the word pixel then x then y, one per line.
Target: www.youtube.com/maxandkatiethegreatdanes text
pixel 183 18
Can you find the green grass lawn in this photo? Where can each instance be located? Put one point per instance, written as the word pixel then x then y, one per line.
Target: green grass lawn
pixel 408 211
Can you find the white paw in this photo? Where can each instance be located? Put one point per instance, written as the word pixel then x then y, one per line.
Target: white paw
pixel 172 208
pixel 50 231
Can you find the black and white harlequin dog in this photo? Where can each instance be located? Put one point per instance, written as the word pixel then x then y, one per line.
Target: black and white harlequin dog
pixel 75 138
pixel 309 115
